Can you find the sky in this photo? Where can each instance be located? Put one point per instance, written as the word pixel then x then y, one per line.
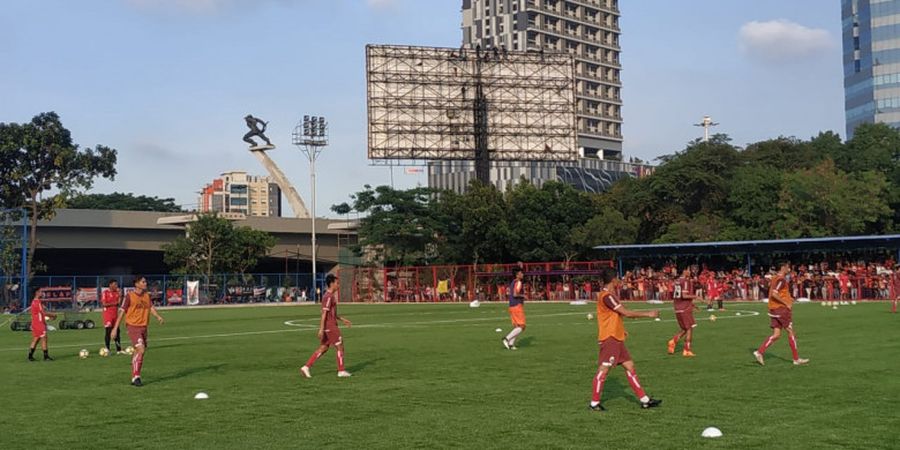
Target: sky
pixel 168 82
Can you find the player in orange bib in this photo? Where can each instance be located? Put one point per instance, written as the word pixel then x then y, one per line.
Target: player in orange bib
pixel 39 327
pixel 516 309
pixel 136 310
pixel 611 336
pixel 780 312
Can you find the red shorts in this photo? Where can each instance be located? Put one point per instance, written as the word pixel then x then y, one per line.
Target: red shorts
pixel 331 336
pixel 38 329
pixel 109 317
pixel 517 315
pixel 138 335
pixel 781 318
pixel 686 320
pixel 613 352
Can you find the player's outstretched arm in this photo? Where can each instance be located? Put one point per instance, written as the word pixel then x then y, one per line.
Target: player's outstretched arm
pixel 622 310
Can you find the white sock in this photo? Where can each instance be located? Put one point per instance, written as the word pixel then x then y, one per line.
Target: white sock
pixel 645 399
pixel 511 337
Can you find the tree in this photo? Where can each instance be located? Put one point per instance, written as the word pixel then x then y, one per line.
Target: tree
pixel 400 225
pixel 825 201
pixel 123 202
pixel 213 245
pixel 40 157
pixel 475 225
pixel 610 227
pixel 540 220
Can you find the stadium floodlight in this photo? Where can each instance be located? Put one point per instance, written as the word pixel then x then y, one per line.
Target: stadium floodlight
pixel 311 136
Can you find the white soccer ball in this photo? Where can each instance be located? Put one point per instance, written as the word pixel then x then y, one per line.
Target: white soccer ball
pixel 657 319
pixel 201 396
pixel 834 307
pixel 84 353
pixel 824 303
pixel 129 350
pixel 712 317
pixel 853 302
pixel 474 304
pixel 103 352
pixel 737 314
pixel 590 316
pixel 499 330
pixel 711 432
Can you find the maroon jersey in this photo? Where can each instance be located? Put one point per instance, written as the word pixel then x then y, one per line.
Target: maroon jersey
pixel 684 292
pixel 329 307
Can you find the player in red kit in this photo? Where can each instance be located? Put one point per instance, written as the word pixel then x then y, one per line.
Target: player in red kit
pixel 684 313
pixel 329 333
pixel 39 327
pixel 781 315
pixel 611 336
pixel 110 303
pixel 895 287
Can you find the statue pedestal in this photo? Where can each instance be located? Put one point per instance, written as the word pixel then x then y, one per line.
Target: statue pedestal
pixel 260 148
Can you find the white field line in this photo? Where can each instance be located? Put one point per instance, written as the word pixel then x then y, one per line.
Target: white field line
pixel 296 327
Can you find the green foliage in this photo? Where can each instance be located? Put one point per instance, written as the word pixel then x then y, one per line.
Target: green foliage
pixel 777 188
pixel 38 158
pixel 401 226
pixel 123 202
pixel 214 245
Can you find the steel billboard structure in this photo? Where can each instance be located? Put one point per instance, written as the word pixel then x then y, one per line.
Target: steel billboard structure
pixel 433 103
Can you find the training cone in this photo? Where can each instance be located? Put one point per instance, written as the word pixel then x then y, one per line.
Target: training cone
pixel 201 396
pixel 711 432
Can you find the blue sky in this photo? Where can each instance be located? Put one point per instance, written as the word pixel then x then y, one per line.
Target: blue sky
pixel 167 82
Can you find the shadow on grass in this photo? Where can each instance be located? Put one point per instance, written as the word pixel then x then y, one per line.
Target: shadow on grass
pixel 768 357
pixel 525 341
pixel 184 373
pixel 361 366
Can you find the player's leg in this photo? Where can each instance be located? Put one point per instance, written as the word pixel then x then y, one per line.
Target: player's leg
pixel 340 360
pixel 107 332
pixel 792 340
pixel 894 305
pixel 688 340
pixel 597 386
pixel 138 336
pixel 118 342
pixel 646 401
pixel 32 346
pixel 674 341
pixel 45 348
pixel 776 334
pixel 321 350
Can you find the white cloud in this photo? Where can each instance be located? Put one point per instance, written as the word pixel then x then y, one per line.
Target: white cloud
pixel 780 41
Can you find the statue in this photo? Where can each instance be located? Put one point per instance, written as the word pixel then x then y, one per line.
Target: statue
pixel 257 128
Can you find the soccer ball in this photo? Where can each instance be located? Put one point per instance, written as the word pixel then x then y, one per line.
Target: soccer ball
pixel 103 351
pixel 853 302
pixel 712 317
pixel 590 316
pixel 84 353
pixel 129 350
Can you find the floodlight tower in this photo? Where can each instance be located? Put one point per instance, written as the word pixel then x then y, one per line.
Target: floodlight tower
pixel 311 136
pixel 706 123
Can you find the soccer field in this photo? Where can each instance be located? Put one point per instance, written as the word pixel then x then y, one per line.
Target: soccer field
pixel 437 376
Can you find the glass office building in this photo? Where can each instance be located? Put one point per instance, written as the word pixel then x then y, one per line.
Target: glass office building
pixel 871 40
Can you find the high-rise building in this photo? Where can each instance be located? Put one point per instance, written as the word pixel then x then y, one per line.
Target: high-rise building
pixel 871 36
pixel 238 192
pixel 588 29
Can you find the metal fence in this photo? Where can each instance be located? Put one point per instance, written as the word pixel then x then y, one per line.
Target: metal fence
pixel 84 291
pixel 13 257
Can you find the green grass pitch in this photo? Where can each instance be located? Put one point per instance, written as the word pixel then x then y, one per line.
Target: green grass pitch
pixel 437 376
